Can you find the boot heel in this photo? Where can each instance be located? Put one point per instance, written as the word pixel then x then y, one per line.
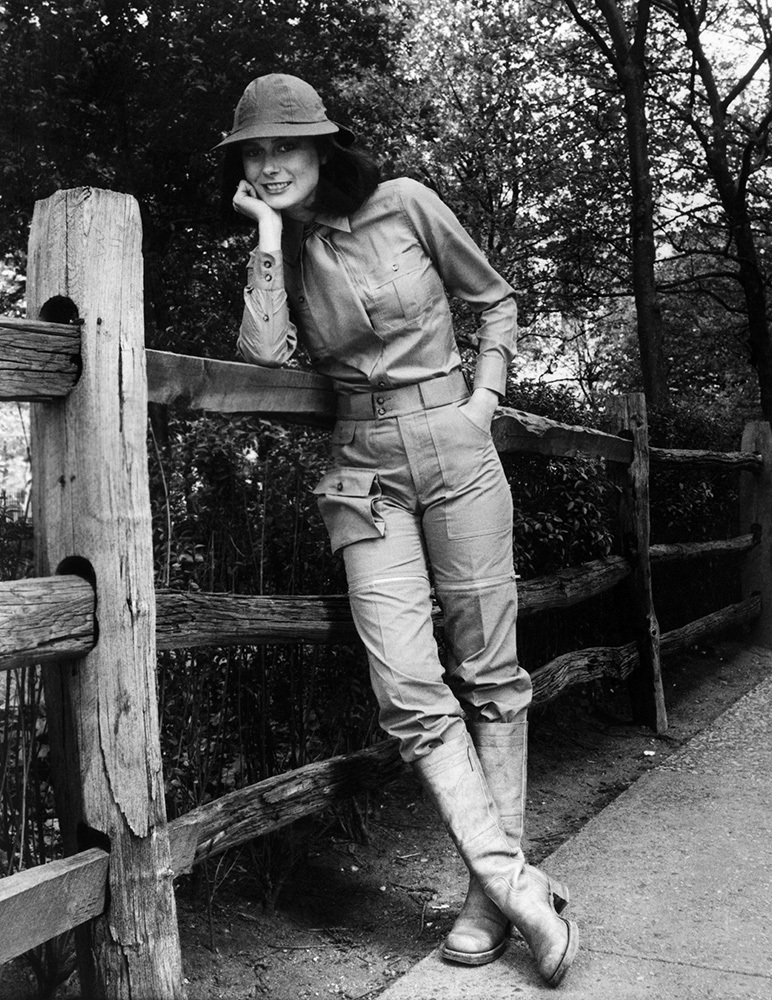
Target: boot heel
pixel 560 895
pixel 556 889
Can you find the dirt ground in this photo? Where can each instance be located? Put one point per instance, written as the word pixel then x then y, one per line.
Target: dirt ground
pixel 352 915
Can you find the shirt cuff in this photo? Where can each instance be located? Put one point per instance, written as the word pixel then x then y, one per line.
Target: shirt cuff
pixel 491 373
pixel 265 272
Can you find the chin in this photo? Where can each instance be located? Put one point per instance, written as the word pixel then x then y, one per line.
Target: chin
pixel 283 203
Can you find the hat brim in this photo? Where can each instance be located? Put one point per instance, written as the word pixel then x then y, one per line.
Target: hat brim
pixel 269 131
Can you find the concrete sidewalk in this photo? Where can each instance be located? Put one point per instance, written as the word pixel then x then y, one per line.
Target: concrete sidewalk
pixel 670 883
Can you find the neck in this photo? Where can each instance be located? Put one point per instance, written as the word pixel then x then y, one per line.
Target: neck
pixel 300 213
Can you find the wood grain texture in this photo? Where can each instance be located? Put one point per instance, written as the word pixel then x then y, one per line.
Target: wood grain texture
pixel 584 665
pixel 271 804
pixel 732 616
pixel 231 619
pixel 569 587
pixel 679 457
pixel 646 691
pixel 185 619
pixel 756 514
pixel 38 361
pixel 687 551
pixel 91 501
pixel 235 387
pixel 515 430
pixel 40 903
pixel 44 619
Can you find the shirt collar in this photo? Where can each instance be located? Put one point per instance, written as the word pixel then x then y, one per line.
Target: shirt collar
pixel 340 222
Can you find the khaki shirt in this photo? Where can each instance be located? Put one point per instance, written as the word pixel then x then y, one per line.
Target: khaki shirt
pixel 366 295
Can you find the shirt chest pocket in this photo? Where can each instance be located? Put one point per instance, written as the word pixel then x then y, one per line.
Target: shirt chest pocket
pixel 401 286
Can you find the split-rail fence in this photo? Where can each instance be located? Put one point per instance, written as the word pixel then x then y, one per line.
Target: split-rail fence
pixel 93 621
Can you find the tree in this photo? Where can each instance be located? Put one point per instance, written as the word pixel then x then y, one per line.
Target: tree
pixel 730 115
pixel 625 49
pixel 492 120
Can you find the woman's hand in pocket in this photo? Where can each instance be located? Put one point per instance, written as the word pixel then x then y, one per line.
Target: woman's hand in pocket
pixel 480 408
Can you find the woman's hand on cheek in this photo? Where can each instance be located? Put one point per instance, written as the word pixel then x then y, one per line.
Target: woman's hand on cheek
pixel 247 203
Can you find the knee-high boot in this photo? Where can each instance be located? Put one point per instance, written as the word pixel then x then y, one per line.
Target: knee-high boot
pixel 479 934
pixel 454 780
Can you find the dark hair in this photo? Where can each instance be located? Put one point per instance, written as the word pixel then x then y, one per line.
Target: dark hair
pixel 347 178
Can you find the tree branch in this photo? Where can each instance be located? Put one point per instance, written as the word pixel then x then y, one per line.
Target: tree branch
pixel 746 80
pixel 589 29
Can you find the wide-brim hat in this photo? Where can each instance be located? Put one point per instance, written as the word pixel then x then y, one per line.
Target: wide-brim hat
pixel 279 104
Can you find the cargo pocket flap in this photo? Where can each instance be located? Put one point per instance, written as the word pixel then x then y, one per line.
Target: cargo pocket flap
pixel 349 483
pixel 347 503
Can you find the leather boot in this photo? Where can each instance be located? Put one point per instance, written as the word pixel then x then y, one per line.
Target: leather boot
pixel 479 934
pixel 453 778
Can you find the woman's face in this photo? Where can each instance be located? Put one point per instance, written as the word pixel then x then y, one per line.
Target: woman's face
pixel 284 172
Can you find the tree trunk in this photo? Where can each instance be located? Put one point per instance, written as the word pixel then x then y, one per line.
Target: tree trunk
pixel 649 315
pixel 626 57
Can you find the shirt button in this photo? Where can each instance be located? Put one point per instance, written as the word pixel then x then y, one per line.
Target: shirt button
pixel 269 277
pixel 395 267
pixel 381 384
pixel 266 318
pixel 339 486
pixel 249 288
pixel 379 399
pixel 267 263
pixel 301 298
pixel 381 411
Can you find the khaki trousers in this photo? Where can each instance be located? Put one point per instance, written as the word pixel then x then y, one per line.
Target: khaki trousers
pixel 417 497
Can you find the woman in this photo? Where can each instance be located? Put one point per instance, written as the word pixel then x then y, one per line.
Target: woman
pixel 356 270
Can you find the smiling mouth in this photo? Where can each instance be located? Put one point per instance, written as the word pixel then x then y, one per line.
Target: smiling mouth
pixel 276 188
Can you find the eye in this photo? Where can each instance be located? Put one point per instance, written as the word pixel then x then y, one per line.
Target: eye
pixel 250 151
pixel 288 146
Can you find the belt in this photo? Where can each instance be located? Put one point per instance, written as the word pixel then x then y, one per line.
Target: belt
pixel 405 399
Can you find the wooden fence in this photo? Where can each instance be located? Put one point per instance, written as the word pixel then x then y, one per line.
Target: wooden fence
pixel 91 617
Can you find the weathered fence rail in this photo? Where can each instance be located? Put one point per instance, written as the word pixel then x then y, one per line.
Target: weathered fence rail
pixel 39 361
pixel 53 618
pixel 96 634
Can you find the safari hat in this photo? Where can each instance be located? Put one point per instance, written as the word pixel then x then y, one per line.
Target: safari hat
pixel 280 104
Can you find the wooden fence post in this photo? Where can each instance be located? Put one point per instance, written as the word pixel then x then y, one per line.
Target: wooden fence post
pixel 91 503
pixel 646 692
pixel 756 514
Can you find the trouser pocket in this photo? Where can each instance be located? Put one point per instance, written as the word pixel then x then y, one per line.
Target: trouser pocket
pixel 347 501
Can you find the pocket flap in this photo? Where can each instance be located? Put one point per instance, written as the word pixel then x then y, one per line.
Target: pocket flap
pixel 348 483
pixel 343 432
pixel 405 263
